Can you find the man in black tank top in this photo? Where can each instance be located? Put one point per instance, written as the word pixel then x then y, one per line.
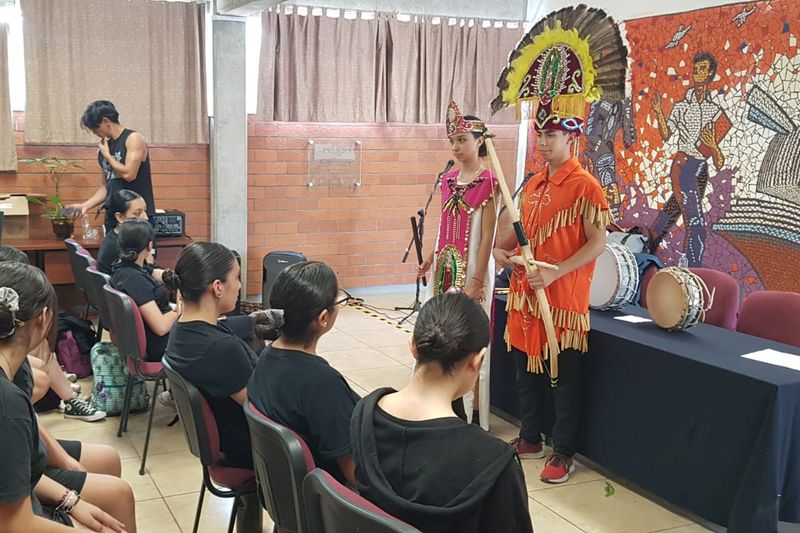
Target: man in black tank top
pixel 123 157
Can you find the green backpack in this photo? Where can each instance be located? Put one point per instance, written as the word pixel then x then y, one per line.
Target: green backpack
pixel 110 378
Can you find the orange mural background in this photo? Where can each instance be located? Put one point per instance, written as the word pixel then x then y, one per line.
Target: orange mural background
pixel 746 222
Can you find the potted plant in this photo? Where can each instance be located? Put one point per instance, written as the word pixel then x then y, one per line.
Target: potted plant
pixel 62 218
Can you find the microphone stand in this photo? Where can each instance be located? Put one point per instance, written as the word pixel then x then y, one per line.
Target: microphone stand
pixel 417 232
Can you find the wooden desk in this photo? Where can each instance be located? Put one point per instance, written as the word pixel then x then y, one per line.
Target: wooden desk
pixel 50 254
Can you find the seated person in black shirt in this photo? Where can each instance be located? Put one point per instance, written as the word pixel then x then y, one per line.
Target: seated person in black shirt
pixel 150 295
pixel 416 459
pixel 27 311
pixel 121 206
pixel 92 470
pixel 207 354
pixel 49 373
pixel 292 384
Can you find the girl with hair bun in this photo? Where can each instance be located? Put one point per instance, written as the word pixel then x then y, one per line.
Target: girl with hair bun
pixel 131 277
pixel 416 459
pixel 121 206
pixel 205 351
pixel 292 384
pixel 27 314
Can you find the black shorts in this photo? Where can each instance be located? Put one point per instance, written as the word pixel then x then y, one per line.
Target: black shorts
pixel 68 478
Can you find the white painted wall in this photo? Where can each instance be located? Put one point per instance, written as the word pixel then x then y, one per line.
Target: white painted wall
pixel 487 9
pixel 625 9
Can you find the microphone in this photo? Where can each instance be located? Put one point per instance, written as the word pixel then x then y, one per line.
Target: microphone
pixel 450 164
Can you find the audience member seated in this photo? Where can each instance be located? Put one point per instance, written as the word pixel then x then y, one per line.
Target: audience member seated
pixel 292 384
pixel 122 205
pixel 92 470
pixel 415 458
pixel 131 277
pixel 204 350
pixel 41 361
pixel 27 313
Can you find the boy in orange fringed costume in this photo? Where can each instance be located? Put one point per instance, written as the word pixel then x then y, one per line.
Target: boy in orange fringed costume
pixel 552 75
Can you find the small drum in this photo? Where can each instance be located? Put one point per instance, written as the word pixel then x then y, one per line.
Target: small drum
pixel 616 276
pixel 676 298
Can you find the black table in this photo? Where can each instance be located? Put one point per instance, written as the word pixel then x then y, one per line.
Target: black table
pixel 682 416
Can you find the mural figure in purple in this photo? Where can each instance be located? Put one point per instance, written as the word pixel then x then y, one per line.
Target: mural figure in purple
pixel 606 118
pixel 699 124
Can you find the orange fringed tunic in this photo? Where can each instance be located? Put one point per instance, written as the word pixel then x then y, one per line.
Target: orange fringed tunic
pixel 553 210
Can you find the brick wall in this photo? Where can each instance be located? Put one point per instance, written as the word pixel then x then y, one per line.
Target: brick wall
pixel 361 232
pixel 180 177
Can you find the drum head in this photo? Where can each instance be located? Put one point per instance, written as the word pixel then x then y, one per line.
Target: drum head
pixel 605 281
pixel 666 300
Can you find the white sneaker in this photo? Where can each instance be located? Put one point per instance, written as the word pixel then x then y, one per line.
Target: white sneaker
pixel 78 409
pixel 165 398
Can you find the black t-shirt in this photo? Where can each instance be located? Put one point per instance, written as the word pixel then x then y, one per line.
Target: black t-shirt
pixel 304 393
pixel 143 183
pixel 109 253
pixel 219 364
pixel 25 453
pixel 137 283
pixel 24 378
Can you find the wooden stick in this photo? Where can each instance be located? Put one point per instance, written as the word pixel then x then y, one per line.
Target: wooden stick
pixel 519 260
pixel 529 263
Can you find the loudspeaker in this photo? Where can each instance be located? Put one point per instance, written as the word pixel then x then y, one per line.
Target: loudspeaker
pixel 274 263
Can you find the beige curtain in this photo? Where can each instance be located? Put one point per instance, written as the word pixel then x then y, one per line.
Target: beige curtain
pixel 322 69
pixel 8 148
pixel 146 57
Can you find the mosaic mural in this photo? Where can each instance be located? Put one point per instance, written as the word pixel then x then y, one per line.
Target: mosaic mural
pixel 705 157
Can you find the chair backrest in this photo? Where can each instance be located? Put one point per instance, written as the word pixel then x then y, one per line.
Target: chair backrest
pixel 199 424
pixel 79 259
pixel 725 307
pixel 644 281
pixel 281 459
pixel 333 508
pixel 772 315
pixel 126 323
pixel 95 280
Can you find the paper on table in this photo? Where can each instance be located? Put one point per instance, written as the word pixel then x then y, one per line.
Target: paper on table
pixel 774 357
pixel 633 319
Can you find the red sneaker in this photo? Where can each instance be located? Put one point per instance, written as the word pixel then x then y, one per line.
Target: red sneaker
pixel 526 450
pixel 557 469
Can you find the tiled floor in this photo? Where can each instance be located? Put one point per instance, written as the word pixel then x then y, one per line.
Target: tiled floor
pixel 370 353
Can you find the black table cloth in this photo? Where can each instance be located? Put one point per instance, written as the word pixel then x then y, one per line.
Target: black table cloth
pixel 683 416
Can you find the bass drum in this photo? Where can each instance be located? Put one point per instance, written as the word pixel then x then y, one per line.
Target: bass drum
pixel 677 298
pixel 616 277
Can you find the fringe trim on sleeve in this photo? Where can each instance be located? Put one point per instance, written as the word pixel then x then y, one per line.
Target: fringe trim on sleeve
pixel 597 215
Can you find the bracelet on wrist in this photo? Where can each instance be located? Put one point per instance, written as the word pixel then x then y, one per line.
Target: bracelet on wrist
pixel 68 501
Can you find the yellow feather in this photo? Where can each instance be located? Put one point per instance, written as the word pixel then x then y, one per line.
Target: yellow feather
pixel 548 38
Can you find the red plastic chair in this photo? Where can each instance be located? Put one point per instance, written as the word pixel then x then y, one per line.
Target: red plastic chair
pixel 772 315
pixel 282 460
pixel 725 307
pixel 202 436
pixel 648 274
pixel 129 337
pixel 333 508
pixel 79 260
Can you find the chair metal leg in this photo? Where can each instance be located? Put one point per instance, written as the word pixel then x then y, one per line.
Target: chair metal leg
pixel 126 406
pixel 149 425
pixel 199 508
pixel 233 514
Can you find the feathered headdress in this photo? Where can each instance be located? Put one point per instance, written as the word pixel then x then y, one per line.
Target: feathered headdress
pixel 455 122
pixel 573 56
